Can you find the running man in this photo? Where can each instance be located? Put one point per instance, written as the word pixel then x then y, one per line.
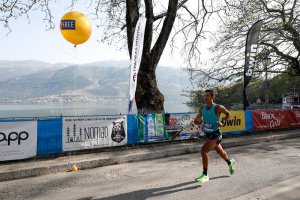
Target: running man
pixel 208 117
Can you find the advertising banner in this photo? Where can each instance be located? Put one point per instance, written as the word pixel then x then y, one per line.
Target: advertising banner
pixel 151 128
pixel 181 126
pixel 136 57
pixel 93 132
pixel 18 140
pixel 235 123
pixel 250 56
pixel 293 118
pixel 141 128
pixel 270 119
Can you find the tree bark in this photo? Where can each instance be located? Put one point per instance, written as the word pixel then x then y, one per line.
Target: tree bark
pixel 148 97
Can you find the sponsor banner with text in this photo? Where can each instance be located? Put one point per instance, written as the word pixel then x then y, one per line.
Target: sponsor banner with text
pixel 93 132
pixel 250 56
pixel 270 119
pixel 235 123
pixel 136 57
pixel 18 140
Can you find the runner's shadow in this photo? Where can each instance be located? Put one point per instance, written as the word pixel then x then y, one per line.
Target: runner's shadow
pixel 218 177
pixel 147 193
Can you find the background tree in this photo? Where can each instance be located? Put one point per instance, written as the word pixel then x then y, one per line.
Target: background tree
pixel 229 95
pixel 279 38
pixel 13 9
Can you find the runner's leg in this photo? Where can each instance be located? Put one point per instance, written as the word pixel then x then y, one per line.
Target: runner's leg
pixel 219 149
pixel 224 155
pixel 209 145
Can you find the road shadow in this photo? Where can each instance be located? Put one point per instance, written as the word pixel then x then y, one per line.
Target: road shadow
pixel 147 193
pixel 217 177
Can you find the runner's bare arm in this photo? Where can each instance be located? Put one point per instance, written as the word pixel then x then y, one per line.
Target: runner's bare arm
pixel 222 109
pixel 198 118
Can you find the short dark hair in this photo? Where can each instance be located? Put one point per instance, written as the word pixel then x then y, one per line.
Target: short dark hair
pixel 211 91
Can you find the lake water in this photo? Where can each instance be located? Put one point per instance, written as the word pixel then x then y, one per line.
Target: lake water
pixel 50 110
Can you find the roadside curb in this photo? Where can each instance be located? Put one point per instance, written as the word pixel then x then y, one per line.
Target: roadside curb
pixel 57 166
pixel 260 140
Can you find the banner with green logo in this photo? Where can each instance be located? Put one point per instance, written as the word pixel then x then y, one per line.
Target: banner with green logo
pixel 151 128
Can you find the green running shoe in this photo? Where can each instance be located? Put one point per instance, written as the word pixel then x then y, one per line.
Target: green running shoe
pixel 231 166
pixel 202 178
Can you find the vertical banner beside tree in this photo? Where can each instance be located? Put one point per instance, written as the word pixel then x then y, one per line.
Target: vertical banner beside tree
pixel 250 56
pixel 137 51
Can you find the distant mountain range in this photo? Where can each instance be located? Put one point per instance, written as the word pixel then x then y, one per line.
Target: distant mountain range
pixel 31 80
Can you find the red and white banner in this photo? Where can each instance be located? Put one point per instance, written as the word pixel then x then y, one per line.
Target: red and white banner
pixel 293 118
pixel 93 132
pixel 18 140
pixel 269 119
pixel 275 119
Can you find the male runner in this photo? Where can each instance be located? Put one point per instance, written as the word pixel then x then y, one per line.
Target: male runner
pixel 208 116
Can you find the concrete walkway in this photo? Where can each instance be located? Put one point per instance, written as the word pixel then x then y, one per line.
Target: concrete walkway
pixel 42 166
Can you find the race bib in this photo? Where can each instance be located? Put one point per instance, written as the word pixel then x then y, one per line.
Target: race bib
pixel 208 127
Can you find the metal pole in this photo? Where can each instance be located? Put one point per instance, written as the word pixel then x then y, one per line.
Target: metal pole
pixel 266 88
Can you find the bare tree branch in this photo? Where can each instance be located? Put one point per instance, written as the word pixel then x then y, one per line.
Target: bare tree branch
pixel 162 15
pixel 161 42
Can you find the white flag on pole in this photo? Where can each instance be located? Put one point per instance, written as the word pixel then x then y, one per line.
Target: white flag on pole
pixel 137 51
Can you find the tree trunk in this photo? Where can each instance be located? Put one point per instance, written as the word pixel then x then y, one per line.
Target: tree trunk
pixel 148 97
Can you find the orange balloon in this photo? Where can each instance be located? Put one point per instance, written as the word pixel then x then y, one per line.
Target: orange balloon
pixel 75 27
pixel 74 168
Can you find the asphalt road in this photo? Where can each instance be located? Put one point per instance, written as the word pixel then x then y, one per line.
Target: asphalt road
pixel 267 168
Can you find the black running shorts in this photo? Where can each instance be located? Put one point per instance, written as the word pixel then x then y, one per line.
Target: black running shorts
pixel 214 135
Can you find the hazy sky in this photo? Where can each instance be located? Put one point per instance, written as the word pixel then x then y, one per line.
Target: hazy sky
pixel 31 41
